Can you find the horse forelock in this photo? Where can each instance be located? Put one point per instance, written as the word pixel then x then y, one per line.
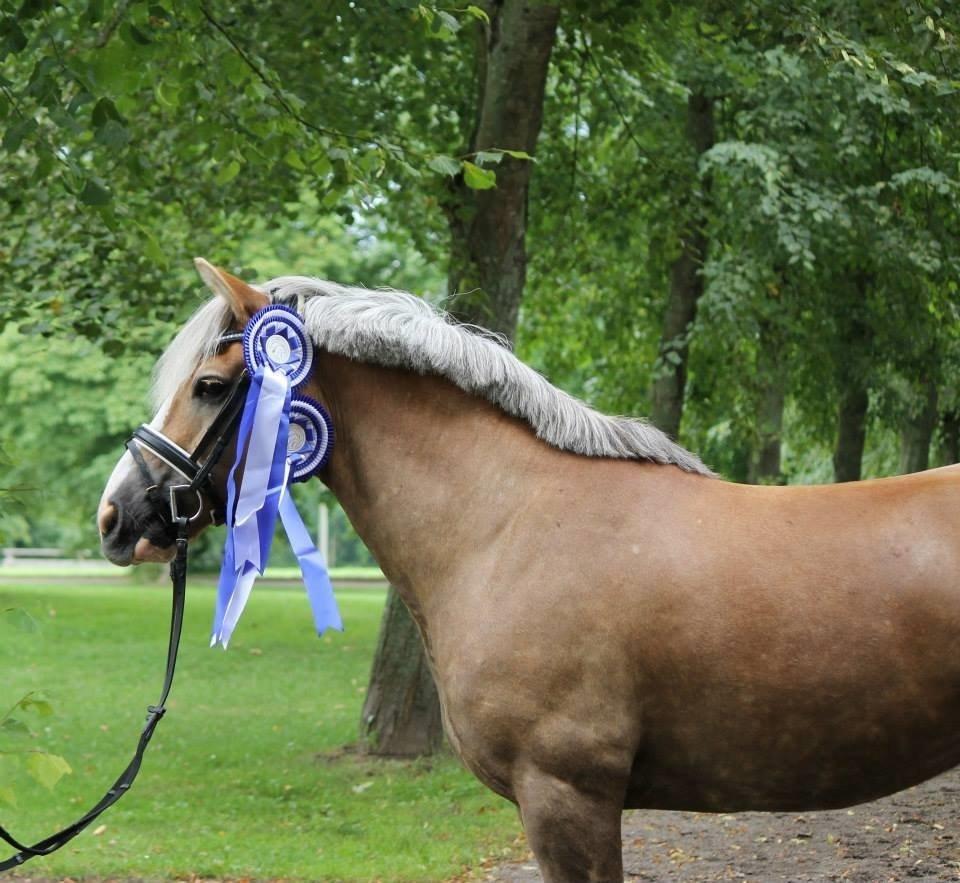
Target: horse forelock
pixel 193 343
pixel 395 329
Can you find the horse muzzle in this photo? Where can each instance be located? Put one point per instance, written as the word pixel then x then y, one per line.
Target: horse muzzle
pixel 128 536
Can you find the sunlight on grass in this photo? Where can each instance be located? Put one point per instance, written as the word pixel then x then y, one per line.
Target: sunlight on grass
pixel 247 776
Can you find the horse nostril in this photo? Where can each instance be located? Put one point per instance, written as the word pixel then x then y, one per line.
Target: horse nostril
pixel 107 519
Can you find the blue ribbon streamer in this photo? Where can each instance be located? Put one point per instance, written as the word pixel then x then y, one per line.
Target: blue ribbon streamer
pixel 316 578
pixel 252 511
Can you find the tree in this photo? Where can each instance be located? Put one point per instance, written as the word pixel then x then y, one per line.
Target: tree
pixel 487 270
pixel 488 224
pixel 686 276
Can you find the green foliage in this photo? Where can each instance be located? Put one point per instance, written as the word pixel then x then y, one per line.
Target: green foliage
pixel 829 197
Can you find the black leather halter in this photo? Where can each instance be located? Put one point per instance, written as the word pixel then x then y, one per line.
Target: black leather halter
pixel 198 476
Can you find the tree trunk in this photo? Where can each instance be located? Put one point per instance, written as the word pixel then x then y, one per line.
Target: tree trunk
pixel 950 438
pixel 488 259
pixel 917 432
pixel 851 433
pixel 853 369
pixel 765 462
pixel 401 714
pixel 488 264
pixel 686 281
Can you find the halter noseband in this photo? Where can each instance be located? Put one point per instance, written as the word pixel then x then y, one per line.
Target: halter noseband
pixel 198 475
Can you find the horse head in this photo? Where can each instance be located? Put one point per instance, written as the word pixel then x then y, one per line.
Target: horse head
pixel 195 391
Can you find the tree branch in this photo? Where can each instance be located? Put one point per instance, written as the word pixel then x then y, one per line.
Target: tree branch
pixel 277 92
pixel 118 14
pixel 617 106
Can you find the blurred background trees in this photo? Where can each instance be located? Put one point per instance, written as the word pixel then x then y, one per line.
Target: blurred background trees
pixel 738 219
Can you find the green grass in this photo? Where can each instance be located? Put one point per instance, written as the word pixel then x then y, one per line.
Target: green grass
pixel 246 776
pixel 99 570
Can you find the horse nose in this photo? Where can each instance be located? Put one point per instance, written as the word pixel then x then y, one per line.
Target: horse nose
pixel 108 518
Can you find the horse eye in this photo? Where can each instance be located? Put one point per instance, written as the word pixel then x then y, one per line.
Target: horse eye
pixel 209 388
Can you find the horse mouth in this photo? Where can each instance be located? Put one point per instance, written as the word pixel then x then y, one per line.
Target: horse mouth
pixel 145 551
pixel 131 535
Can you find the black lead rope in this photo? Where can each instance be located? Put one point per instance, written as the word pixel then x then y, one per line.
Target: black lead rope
pixel 178 576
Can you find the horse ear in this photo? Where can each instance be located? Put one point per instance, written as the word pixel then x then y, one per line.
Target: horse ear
pixel 244 299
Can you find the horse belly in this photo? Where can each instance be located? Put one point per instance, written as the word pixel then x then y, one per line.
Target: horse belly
pixel 852 703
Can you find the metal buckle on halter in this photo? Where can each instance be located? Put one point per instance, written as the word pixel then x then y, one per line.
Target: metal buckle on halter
pixel 174 509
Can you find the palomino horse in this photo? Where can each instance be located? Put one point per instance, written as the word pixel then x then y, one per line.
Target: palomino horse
pixel 608 623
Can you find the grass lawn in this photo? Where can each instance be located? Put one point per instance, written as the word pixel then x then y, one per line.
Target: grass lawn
pixel 246 776
pixel 110 572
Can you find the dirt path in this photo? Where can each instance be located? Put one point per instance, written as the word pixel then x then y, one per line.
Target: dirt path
pixel 912 836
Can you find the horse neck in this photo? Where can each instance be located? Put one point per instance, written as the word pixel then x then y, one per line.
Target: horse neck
pixel 422 469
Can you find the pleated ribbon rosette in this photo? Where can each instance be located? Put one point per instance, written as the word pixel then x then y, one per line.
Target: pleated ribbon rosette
pixel 283 438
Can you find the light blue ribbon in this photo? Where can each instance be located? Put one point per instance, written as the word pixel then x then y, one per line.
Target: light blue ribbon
pixel 316 578
pixel 253 508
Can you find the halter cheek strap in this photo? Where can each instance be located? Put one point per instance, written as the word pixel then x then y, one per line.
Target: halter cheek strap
pixel 198 476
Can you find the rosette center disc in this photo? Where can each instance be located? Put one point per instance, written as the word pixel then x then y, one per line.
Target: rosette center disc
pixel 296 439
pixel 278 349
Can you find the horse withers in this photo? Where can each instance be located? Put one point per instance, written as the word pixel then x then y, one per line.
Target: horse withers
pixel 609 624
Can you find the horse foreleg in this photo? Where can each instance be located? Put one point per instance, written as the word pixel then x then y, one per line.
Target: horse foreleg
pixel 574 835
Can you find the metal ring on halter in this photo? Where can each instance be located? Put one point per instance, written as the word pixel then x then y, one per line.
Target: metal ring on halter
pixel 174 511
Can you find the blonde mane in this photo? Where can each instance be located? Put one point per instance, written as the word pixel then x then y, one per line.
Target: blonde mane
pixel 398 330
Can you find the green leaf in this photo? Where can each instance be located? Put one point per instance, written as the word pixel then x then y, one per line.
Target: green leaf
pixel 489 156
pixel 47 769
pixel 135 35
pixel 94 11
pixel 7 796
pixel 14 135
pixel 13 726
pixel 95 193
pixel 33 8
pixel 446 20
pixel 152 249
pixel 292 159
pixel 116 69
pixel 12 38
pixel 20 620
pixel 227 173
pixel 168 94
pixel 479 13
pixel 104 111
pixel 444 165
pixel 33 702
pixel 477 178
pixel 113 135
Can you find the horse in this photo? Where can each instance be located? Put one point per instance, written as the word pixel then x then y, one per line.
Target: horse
pixel 609 624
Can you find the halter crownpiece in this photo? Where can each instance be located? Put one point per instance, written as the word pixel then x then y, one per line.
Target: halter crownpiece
pixel 282 439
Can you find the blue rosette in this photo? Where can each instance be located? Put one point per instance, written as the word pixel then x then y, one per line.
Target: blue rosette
pixel 276 337
pixel 282 437
pixel 310 439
